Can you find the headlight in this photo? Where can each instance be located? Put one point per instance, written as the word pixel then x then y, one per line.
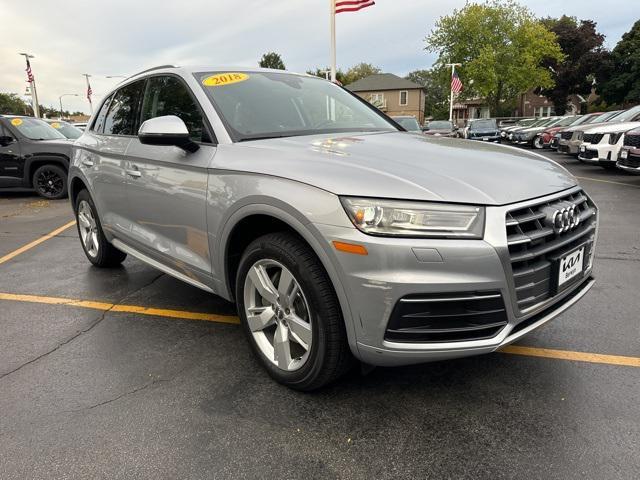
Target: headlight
pixel 614 137
pixel 415 219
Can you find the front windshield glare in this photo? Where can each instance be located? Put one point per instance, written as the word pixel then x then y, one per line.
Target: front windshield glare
pixel 478 124
pixel 35 129
pixel 256 105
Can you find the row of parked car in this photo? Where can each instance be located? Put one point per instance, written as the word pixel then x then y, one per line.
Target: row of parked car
pixel 608 139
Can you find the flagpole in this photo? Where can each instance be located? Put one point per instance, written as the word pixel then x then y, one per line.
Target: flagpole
pixel 86 76
pixel 34 93
pixel 453 71
pixel 332 13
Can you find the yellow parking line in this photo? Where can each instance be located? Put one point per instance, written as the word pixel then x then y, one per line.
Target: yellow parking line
pixel 154 312
pixel 609 181
pixel 231 319
pixel 35 243
pixel 573 356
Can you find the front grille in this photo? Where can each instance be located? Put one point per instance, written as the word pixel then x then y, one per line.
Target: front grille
pixel 447 317
pixel 631 161
pixel 566 135
pixel 632 140
pixel 534 246
pixel 589 154
pixel 592 137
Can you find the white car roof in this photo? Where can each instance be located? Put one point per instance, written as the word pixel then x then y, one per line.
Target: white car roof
pixel 614 127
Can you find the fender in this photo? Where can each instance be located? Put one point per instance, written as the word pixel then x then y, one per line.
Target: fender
pixel 308 232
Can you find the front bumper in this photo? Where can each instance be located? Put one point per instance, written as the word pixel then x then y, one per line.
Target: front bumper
pixel 630 164
pixel 569 146
pixel 599 154
pixel 399 268
pixel 492 138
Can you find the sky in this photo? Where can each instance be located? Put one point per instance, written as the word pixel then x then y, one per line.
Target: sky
pixel 71 37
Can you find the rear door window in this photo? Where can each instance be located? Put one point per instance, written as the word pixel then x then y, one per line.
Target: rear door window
pixel 122 117
pixel 99 121
pixel 166 95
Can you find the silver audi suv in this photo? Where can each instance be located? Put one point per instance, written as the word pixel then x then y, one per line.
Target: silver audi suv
pixel 338 234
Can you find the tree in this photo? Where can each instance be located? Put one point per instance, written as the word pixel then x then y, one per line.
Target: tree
pixel 619 79
pixel 12 104
pixel 361 70
pixel 272 60
pixel 437 84
pixel 582 46
pixel 501 46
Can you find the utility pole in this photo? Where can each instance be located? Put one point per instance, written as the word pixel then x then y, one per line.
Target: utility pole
pixel 453 71
pixel 60 99
pixel 332 13
pixel 89 92
pixel 32 81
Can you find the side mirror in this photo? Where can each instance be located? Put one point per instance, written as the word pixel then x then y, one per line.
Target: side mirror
pixel 5 140
pixel 168 131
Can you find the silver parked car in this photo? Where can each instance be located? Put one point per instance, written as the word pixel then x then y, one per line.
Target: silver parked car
pixel 337 235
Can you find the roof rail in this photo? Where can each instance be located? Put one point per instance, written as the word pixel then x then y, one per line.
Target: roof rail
pixel 150 70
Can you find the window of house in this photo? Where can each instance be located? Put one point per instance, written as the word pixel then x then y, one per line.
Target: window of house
pixel 166 95
pixel 404 97
pixel 377 99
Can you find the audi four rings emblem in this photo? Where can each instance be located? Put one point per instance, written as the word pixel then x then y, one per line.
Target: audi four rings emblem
pixel 562 217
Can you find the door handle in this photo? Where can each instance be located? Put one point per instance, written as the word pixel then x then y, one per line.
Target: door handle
pixel 134 173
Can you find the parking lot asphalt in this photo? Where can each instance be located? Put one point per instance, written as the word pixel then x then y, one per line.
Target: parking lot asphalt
pixel 94 384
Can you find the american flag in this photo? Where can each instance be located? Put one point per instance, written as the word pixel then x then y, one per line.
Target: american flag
pixel 456 84
pixel 30 78
pixel 89 91
pixel 352 5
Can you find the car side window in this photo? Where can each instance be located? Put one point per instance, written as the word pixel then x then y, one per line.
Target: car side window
pixel 99 121
pixel 124 110
pixel 166 95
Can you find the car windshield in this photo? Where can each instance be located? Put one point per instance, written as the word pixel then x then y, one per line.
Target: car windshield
pixel 440 125
pixel 586 119
pixel 408 123
pixel 483 124
pixel 35 129
pixel 565 121
pixel 256 105
pixel 608 116
pixel 627 115
pixel 66 129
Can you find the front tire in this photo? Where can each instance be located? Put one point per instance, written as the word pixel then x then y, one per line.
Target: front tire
pixel 95 245
pixel 290 313
pixel 50 181
pixel 538 144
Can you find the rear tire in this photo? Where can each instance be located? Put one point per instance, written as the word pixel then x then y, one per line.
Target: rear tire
pixel 284 295
pixel 50 181
pixel 95 245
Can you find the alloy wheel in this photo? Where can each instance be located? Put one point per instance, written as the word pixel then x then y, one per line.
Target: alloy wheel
pixel 88 229
pixel 278 314
pixel 49 183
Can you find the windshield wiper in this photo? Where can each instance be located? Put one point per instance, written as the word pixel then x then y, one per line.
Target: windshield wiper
pixel 263 137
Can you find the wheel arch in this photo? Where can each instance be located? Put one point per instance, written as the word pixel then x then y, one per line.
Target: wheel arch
pixel 260 219
pixel 37 161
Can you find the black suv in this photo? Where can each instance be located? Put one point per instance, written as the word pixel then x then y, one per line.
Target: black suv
pixel 33 155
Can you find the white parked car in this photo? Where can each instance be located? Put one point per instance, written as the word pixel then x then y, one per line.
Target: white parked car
pixel 601 145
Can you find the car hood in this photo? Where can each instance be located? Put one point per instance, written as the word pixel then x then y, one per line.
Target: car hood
pixel 616 127
pixel 41 147
pixel 403 166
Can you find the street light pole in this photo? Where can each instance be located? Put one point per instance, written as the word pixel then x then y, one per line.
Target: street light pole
pixel 32 82
pixel 453 71
pixel 60 99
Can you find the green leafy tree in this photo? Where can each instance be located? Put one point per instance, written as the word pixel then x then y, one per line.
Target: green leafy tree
pixel 501 46
pixel 436 82
pixel 359 71
pixel 618 82
pixel 12 104
pixel 322 73
pixel 584 54
pixel 272 60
